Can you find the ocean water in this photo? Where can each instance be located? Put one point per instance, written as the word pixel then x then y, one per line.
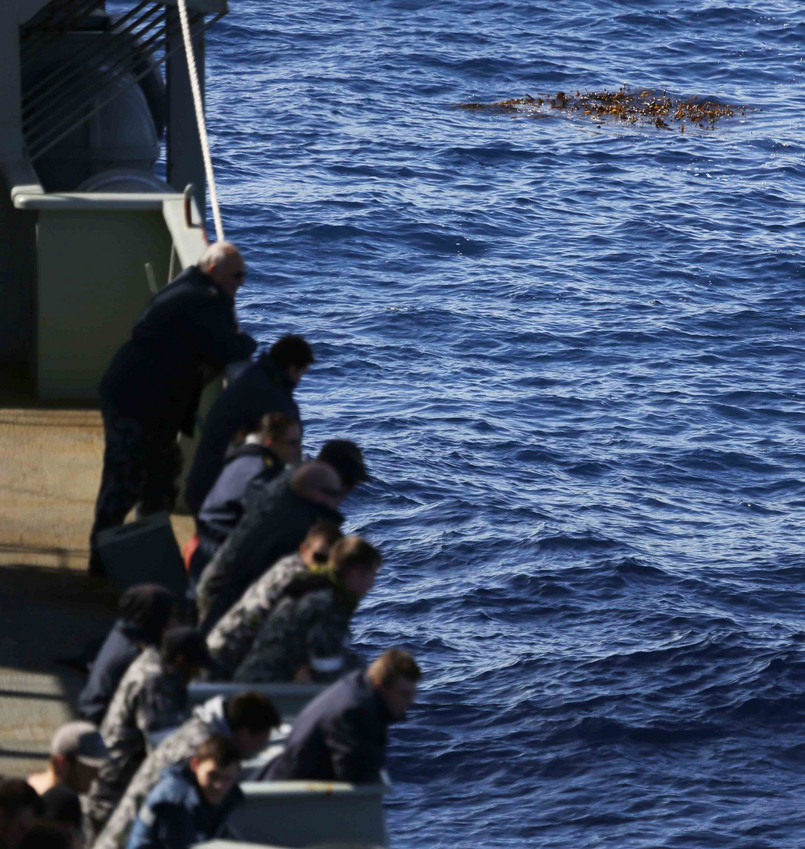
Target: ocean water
pixel 572 351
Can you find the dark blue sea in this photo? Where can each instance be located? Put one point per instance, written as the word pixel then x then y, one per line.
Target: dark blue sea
pixel 572 350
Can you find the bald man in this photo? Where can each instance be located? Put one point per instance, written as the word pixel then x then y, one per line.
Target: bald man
pixel 187 334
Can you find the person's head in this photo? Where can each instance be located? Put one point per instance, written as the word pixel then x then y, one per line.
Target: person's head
pixel 223 262
pixel 355 563
pixel 61 807
pixel 50 835
pixel 150 607
pixel 251 718
pixel 215 766
pixel 184 651
pixel 77 751
pixel 345 457
pixel 19 806
pixel 282 434
pixel 315 547
pixel 318 482
pixel 395 676
pixel 292 354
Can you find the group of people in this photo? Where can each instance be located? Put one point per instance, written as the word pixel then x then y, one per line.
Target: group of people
pixel 273 582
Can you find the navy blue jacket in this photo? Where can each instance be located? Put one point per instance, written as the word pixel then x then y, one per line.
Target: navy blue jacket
pixel 122 645
pixel 275 522
pixel 262 388
pixel 175 814
pixel 224 505
pixel 340 736
pixel 157 376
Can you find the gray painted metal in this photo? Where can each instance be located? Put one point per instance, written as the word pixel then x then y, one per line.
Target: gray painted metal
pixel 309 813
pixel 72 267
pixel 85 309
pixel 288 699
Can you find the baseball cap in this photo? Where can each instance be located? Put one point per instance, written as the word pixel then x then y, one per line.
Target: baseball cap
pixel 189 643
pixel 82 740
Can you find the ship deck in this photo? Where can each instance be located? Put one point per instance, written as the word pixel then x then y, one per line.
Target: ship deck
pixel 50 466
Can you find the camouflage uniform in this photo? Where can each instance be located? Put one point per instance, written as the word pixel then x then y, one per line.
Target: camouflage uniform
pixel 308 627
pixel 230 640
pixel 208 719
pixel 148 700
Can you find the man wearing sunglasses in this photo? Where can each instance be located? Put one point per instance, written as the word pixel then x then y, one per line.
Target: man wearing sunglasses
pixel 186 335
pixel 265 386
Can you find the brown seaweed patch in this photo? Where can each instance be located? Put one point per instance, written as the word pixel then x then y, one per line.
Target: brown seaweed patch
pixel 645 106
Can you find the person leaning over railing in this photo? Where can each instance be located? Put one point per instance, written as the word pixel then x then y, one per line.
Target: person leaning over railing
pixel 230 640
pixel 187 334
pixel 304 637
pixel 247 719
pixel 146 612
pixel 260 458
pixel 276 520
pixel 341 735
pixel 192 800
pixel 266 386
pixel 151 701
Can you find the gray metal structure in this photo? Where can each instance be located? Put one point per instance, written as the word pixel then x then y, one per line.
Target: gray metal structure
pixel 310 813
pixel 83 105
pixel 287 698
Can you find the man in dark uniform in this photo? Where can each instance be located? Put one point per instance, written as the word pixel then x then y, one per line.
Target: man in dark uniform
pixel 186 335
pixel 266 386
pixel 275 444
pixel 341 735
pixel 277 518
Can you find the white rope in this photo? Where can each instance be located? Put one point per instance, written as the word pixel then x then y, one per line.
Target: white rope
pixel 202 128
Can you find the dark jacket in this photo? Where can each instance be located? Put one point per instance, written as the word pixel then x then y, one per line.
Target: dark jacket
pixel 176 816
pixel 274 524
pixel 145 609
pixel 224 504
pixel 123 644
pixel 262 388
pixel 157 376
pixel 340 736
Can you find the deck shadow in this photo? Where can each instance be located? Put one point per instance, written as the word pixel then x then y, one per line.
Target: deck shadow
pixel 48 616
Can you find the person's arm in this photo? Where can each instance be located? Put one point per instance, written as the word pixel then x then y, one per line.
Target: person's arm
pixel 161 706
pixel 217 337
pixel 357 747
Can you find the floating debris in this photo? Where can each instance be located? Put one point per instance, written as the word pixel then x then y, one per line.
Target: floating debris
pixel 646 106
